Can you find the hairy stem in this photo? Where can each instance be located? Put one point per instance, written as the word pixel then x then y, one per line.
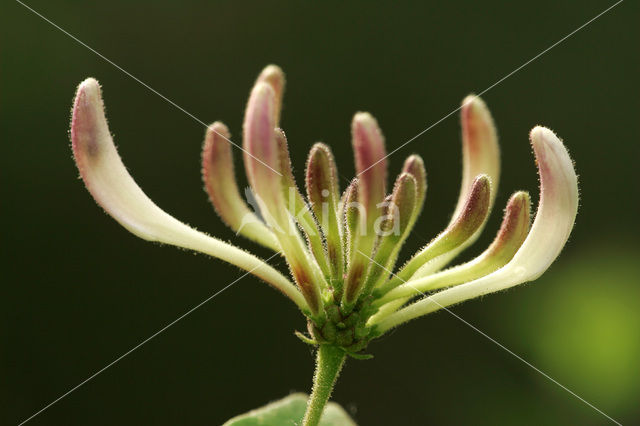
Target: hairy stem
pixel 329 362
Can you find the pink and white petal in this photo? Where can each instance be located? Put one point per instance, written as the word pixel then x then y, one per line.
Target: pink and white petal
pixel 549 233
pixel 513 231
pixel 220 183
pixel 453 240
pixel 480 150
pixel 414 165
pixel 480 156
pixel 274 76
pixel 371 163
pixel 371 171
pixel 263 163
pixel 299 210
pixel 108 181
pixel 321 182
pixel 261 153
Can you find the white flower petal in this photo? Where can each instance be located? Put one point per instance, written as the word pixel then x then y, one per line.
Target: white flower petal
pixel 549 233
pixel 115 190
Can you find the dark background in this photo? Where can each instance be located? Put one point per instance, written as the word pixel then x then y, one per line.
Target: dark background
pixel 78 290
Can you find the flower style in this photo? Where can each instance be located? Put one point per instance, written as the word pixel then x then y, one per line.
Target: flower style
pixel 342 248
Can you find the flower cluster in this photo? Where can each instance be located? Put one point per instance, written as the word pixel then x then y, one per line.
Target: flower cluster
pixel 341 248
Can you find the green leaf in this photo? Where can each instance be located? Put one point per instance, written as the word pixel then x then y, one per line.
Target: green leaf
pixel 290 411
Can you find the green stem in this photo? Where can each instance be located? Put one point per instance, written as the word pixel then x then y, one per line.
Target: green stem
pixel 329 362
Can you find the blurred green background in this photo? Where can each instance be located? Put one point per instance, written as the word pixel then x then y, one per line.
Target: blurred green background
pixel 78 290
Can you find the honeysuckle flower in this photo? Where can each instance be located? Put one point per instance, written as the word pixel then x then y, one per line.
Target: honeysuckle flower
pixel 342 248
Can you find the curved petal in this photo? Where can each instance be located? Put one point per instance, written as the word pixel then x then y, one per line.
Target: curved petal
pixel 414 165
pixel 371 162
pixel 371 170
pixel 480 156
pixel 114 189
pixel 261 154
pixel 220 183
pixel 274 76
pixel 350 212
pixel 395 227
pixel 321 181
pixel 480 150
pixel 550 230
pixel 298 208
pixel 448 244
pixel 263 165
pixel 512 233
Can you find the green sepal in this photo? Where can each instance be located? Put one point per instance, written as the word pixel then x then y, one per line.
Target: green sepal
pixel 305 339
pixel 360 357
